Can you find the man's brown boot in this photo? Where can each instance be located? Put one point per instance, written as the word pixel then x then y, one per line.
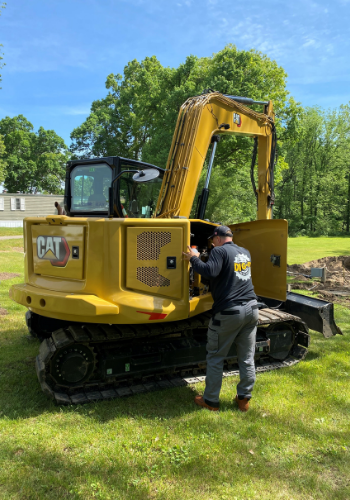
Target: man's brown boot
pixel 243 404
pixel 199 400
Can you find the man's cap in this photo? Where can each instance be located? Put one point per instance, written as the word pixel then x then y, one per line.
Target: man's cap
pixel 221 231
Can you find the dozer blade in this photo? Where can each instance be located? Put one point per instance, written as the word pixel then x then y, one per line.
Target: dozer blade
pixel 317 314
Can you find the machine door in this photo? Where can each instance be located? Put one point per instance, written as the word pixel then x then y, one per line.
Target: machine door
pixel 266 241
pixel 154 260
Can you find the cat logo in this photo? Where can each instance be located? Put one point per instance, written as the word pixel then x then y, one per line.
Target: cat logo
pixel 53 248
pixel 237 119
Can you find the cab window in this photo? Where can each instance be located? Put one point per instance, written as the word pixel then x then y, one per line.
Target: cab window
pixel 89 187
pixel 137 199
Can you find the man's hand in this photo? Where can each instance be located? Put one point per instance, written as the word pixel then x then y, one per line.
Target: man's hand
pixel 192 253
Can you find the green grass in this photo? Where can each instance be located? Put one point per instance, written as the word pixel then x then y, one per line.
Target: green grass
pixel 304 249
pixel 294 443
pixel 11 231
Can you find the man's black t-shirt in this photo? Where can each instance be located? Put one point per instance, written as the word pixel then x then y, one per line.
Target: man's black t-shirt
pixel 229 271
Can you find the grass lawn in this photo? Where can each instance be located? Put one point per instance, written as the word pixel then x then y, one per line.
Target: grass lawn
pixel 294 443
pixel 304 249
pixel 11 231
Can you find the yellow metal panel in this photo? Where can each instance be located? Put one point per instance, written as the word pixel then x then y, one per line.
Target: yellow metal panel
pixel 103 288
pixel 147 251
pixel 266 241
pixel 53 253
pixel 200 304
pixel 47 302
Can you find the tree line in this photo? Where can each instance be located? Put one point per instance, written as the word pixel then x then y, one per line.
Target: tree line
pixel 137 117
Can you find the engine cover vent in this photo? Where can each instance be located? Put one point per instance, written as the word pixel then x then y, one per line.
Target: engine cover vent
pixel 150 276
pixel 149 244
pixel 148 250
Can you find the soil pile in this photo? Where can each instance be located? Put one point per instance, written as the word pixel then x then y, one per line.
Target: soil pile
pixel 337 284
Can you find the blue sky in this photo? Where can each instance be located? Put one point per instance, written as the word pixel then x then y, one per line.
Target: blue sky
pixel 58 53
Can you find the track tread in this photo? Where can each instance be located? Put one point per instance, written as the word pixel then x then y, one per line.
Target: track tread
pixel 110 332
pixel 47 350
pixel 267 316
pixel 95 332
pixel 106 390
pixel 79 334
pixel 127 331
pixel 61 338
pixel 79 398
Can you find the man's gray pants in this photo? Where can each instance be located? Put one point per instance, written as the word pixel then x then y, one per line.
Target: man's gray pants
pixel 224 329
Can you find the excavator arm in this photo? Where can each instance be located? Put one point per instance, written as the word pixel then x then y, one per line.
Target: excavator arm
pixel 200 118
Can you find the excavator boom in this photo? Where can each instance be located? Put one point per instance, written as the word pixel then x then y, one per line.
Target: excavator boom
pixel 200 118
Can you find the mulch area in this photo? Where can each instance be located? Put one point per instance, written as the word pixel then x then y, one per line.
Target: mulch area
pixel 3 312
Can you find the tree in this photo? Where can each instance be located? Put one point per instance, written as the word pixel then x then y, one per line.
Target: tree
pixel 137 117
pixel 35 161
pixel 3 163
pixel 314 194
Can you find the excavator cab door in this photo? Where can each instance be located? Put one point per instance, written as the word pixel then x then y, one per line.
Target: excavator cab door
pixel 266 241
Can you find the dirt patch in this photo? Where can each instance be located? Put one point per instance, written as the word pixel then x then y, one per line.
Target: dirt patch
pixel 8 276
pixel 3 312
pixel 17 249
pixel 337 285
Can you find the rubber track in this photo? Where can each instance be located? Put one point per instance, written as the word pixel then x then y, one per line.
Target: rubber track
pixel 101 333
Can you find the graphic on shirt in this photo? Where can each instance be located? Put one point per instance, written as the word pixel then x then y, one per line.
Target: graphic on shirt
pixel 242 267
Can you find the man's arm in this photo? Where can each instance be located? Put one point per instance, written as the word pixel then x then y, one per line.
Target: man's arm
pixel 209 269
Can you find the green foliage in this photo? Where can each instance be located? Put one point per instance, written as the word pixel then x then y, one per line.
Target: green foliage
pixel 314 194
pixel 3 163
pixel 137 118
pixel 35 160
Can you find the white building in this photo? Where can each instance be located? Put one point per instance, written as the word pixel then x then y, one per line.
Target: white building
pixel 14 207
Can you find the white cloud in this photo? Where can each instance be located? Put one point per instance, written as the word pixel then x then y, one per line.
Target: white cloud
pixel 309 43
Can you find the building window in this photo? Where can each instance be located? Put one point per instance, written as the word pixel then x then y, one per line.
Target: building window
pixel 2 203
pixel 18 204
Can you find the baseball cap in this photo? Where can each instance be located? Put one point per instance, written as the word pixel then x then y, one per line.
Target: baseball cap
pixel 221 231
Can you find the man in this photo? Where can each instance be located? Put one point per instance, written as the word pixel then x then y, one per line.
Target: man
pixel 235 316
pixel 97 199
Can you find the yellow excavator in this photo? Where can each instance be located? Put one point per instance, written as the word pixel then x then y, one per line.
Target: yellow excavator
pixel 117 310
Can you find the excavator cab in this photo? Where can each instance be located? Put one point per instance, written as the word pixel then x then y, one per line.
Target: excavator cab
pixel 109 186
